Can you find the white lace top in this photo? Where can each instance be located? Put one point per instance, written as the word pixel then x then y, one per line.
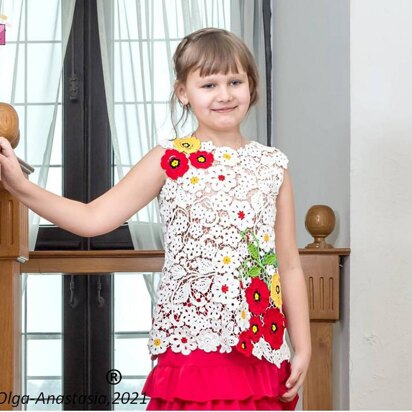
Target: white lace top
pixel 220 288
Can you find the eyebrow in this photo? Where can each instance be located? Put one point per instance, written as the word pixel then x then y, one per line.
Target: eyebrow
pixel 231 76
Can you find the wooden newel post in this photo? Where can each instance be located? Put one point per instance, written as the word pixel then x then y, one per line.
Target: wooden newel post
pixel 321 264
pixel 13 252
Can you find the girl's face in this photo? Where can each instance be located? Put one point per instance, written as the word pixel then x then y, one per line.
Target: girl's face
pixel 219 101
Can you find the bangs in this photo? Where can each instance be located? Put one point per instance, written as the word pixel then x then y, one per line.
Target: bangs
pixel 213 56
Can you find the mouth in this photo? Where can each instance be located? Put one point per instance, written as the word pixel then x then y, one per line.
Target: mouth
pixel 224 109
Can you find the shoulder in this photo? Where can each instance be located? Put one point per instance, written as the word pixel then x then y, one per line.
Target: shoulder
pixel 160 150
pixel 276 155
pixel 151 162
pixel 155 154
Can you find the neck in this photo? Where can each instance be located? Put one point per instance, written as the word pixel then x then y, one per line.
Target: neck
pixel 231 138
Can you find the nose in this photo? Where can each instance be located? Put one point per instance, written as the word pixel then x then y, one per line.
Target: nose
pixel 224 94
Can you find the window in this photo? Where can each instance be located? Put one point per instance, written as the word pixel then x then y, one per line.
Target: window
pixel 86 333
pixel 42 337
pixel 35 36
pixel 132 320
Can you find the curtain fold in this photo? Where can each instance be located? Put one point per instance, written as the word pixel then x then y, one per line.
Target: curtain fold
pixel 31 66
pixel 248 24
pixel 137 41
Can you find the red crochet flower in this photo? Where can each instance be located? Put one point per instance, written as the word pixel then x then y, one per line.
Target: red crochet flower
pixel 245 344
pixel 257 296
pixel 201 159
pixel 175 163
pixel 274 326
pixel 256 328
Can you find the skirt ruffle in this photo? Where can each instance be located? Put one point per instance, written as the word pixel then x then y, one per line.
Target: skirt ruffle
pixel 216 381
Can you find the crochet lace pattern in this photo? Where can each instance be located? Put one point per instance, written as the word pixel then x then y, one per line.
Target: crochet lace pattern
pixel 211 196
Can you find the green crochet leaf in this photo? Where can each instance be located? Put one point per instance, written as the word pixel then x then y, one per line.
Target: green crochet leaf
pixel 254 271
pixel 270 259
pixel 253 250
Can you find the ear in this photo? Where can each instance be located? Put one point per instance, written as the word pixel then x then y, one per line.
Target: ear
pixel 180 91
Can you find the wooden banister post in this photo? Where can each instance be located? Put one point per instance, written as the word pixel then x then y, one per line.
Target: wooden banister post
pixel 13 251
pixel 322 272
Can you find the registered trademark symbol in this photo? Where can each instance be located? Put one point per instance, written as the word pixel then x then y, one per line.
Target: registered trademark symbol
pixel 113 376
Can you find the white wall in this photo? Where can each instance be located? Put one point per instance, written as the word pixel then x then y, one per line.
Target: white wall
pixel 311 124
pixel 381 205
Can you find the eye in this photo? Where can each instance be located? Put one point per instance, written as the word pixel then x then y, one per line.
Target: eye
pixel 208 86
pixel 236 82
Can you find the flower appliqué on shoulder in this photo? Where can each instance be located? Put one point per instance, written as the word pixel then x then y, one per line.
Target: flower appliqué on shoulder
pixel 186 149
pixel 188 144
pixel 175 163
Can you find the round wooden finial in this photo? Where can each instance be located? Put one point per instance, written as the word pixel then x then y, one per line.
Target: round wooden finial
pixel 9 124
pixel 320 222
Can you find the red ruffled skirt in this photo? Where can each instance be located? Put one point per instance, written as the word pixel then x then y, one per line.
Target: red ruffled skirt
pixel 216 381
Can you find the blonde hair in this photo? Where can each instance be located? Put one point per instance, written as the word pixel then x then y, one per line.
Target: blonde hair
pixel 211 51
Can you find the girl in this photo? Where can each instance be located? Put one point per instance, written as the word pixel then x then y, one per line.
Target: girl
pixel 220 320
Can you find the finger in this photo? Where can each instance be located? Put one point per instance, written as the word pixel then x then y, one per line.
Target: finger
pixel 3 157
pixel 6 152
pixel 291 393
pixel 293 377
pixel 288 396
pixel 286 400
pixel 5 148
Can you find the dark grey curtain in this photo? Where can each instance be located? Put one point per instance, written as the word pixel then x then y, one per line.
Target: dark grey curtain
pixel 267 17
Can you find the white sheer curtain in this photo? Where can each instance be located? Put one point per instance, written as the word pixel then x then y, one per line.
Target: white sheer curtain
pixel 138 39
pixel 247 23
pixel 31 65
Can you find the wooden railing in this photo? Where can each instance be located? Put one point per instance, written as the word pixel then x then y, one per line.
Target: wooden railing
pixel 13 251
pixel 321 268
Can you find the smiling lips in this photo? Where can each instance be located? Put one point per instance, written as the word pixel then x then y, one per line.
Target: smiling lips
pixel 224 109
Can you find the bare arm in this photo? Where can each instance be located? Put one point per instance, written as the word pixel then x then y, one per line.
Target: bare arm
pixel 102 215
pixel 294 294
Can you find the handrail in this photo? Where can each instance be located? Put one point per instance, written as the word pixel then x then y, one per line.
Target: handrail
pixel 106 261
pixel 94 261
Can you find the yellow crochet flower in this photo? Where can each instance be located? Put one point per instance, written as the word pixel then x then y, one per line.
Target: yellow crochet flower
pixel 275 292
pixel 187 144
